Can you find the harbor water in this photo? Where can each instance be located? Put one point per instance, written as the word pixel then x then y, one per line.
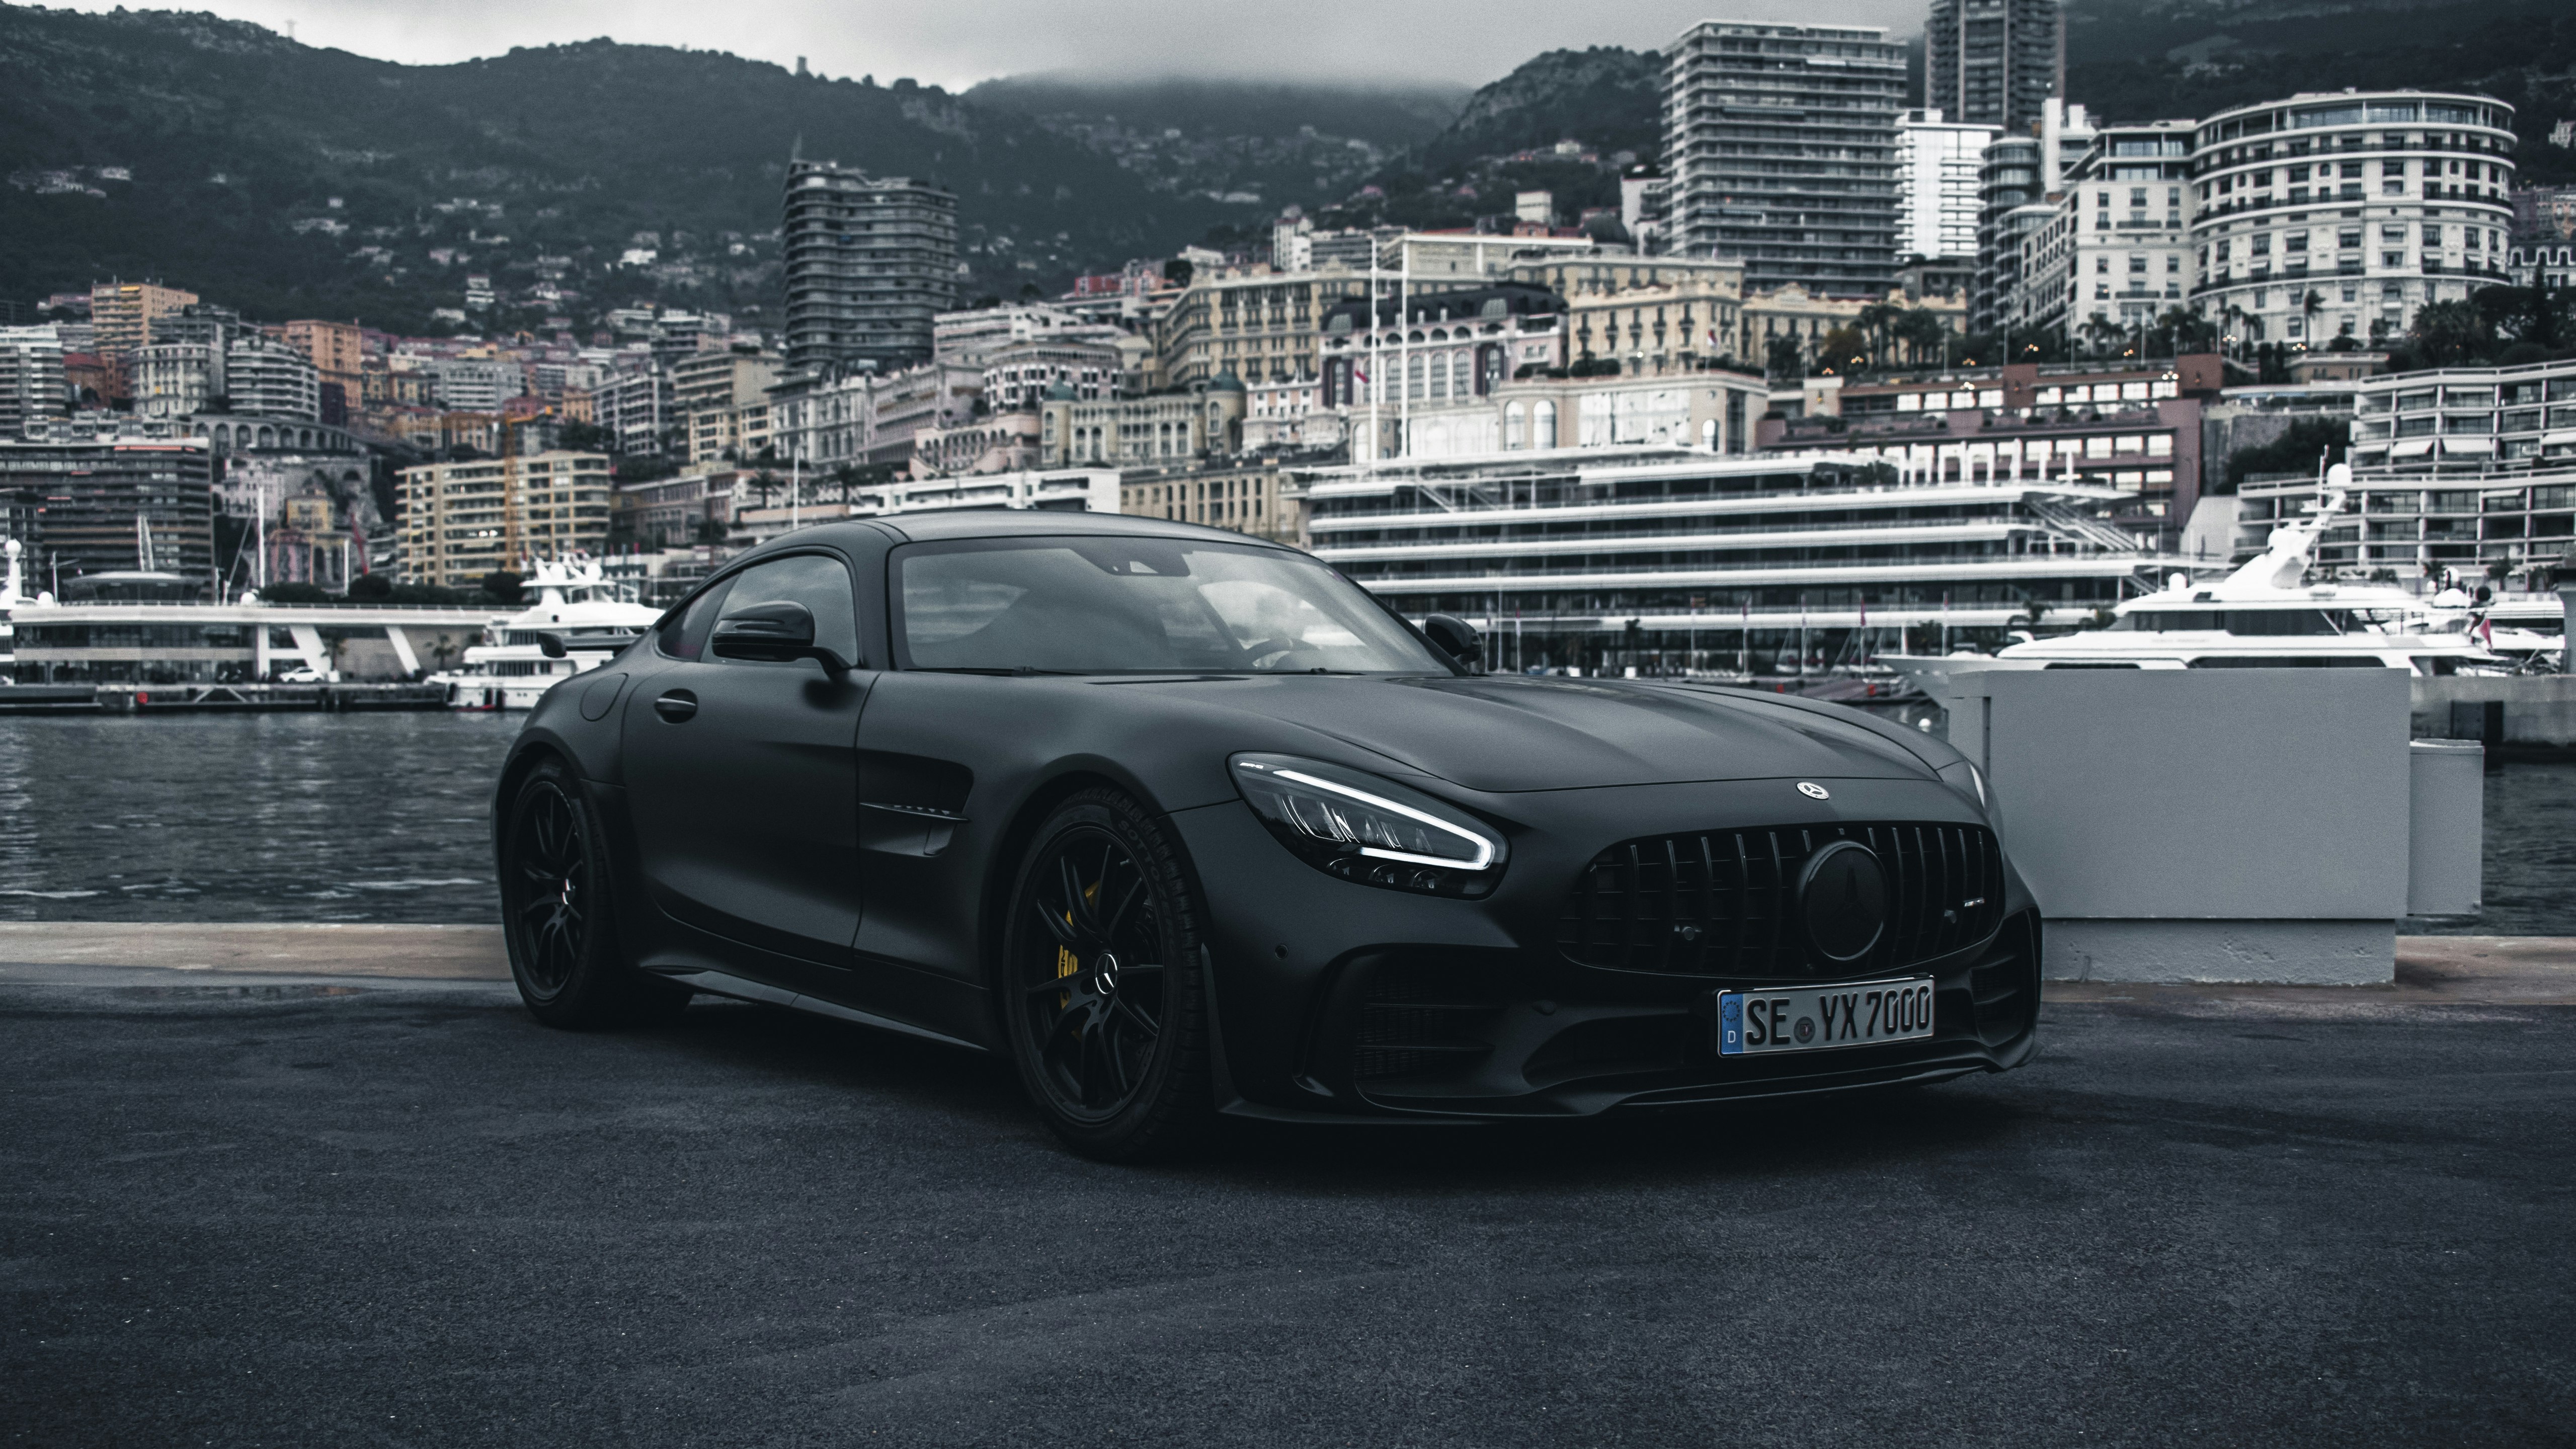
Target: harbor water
pixel 313 817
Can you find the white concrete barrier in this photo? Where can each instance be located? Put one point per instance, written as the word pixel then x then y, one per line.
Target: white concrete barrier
pixel 2206 825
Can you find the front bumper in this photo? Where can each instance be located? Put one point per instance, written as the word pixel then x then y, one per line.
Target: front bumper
pixel 1338 999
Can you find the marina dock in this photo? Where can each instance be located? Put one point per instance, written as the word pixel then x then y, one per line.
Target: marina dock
pixel 218 698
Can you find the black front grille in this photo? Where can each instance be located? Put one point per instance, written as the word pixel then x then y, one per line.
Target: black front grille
pixel 1724 903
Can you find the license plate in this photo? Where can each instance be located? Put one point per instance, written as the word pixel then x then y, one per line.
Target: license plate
pixel 1815 1018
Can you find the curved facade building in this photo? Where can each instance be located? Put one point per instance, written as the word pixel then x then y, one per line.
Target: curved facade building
pixel 870 261
pixel 2341 214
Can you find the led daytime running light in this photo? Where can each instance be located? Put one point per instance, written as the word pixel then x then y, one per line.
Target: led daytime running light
pixel 1484 848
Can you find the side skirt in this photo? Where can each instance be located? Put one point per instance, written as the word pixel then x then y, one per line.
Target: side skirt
pixel 718 983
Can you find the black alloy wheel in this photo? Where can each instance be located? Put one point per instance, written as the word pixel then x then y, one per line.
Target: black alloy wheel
pixel 554 887
pixel 1101 994
pixel 557 898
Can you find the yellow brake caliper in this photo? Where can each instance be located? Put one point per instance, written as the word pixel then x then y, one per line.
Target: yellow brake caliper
pixel 1066 963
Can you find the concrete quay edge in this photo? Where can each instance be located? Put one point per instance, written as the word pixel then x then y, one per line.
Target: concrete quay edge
pixel 2431 970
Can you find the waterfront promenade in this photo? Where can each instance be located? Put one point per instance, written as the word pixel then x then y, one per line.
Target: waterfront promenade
pixel 288 1184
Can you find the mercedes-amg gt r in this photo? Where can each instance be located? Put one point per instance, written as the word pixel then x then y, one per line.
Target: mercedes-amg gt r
pixel 1187 824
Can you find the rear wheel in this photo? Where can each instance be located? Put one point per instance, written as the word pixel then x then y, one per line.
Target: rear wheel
pixel 557 895
pixel 1101 997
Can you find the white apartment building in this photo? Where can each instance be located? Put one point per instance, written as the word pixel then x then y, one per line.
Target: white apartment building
pixel 250 374
pixel 1018 374
pixel 475 385
pixel 969 339
pixel 2115 254
pixel 1292 242
pixel 827 424
pixel 635 408
pixel 2342 214
pixel 270 379
pixel 865 418
pixel 1937 164
pixel 32 386
pixel 1436 256
pixel 461 521
pixel 174 379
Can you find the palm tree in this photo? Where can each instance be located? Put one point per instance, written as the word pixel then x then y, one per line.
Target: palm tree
pixel 1921 330
pixel 1877 321
pixel 2309 306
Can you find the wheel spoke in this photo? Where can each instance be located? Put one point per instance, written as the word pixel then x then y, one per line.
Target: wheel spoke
pixel 1116 1061
pixel 1126 901
pixel 1089 1055
pixel 1077 909
pixel 1136 1014
pixel 1056 925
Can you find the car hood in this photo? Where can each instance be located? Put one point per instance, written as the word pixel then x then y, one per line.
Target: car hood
pixel 1501 733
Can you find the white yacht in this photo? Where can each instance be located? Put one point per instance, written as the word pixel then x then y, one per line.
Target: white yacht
pixel 2527 632
pixel 2263 616
pixel 10 599
pixel 589 616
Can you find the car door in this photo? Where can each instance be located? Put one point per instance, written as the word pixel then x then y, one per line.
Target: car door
pixel 742 775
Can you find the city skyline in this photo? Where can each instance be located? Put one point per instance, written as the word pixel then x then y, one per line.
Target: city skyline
pixel 957 46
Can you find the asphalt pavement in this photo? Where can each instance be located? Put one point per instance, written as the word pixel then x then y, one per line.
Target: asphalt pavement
pixel 293 1211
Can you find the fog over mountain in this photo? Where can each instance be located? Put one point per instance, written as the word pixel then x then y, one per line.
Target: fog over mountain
pixel 963 42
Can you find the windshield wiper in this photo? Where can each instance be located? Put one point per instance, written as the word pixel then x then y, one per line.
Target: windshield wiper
pixel 999 671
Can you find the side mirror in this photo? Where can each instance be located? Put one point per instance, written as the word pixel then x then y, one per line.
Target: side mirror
pixel 1456 640
pixel 550 645
pixel 773 633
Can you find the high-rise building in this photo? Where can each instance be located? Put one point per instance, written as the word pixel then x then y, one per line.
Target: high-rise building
pixel 1780 141
pixel 111 505
pixel 2342 213
pixel 2007 198
pixel 123 313
pixel 2020 187
pixel 870 261
pixel 1937 185
pixel 1994 62
pixel 31 378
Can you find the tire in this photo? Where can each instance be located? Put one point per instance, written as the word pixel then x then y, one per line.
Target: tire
pixel 558 912
pixel 1099 988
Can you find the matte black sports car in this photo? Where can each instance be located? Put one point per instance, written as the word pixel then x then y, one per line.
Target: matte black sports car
pixel 1188 825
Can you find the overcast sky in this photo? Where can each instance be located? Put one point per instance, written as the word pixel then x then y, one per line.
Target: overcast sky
pixel 956 43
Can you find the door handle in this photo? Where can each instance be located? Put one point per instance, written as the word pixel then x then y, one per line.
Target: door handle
pixel 679 706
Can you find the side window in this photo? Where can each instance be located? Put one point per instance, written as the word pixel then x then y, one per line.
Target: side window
pixel 820 582
pixel 684 633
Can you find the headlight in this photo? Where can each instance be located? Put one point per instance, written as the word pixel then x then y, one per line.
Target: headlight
pixel 1363 828
pixel 1968 780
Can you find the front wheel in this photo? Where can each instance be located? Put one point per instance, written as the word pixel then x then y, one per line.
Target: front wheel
pixel 1101 996
pixel 556 889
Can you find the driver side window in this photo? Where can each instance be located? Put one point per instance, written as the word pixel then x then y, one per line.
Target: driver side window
pixel 684 633
pixel 818 581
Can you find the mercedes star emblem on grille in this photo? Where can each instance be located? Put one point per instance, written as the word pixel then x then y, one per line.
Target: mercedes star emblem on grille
pixel 1842 899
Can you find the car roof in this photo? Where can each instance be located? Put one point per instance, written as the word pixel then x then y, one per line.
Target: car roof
pixel 1005 523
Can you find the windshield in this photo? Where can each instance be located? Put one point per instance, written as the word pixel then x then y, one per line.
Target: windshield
pixel 1147 605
